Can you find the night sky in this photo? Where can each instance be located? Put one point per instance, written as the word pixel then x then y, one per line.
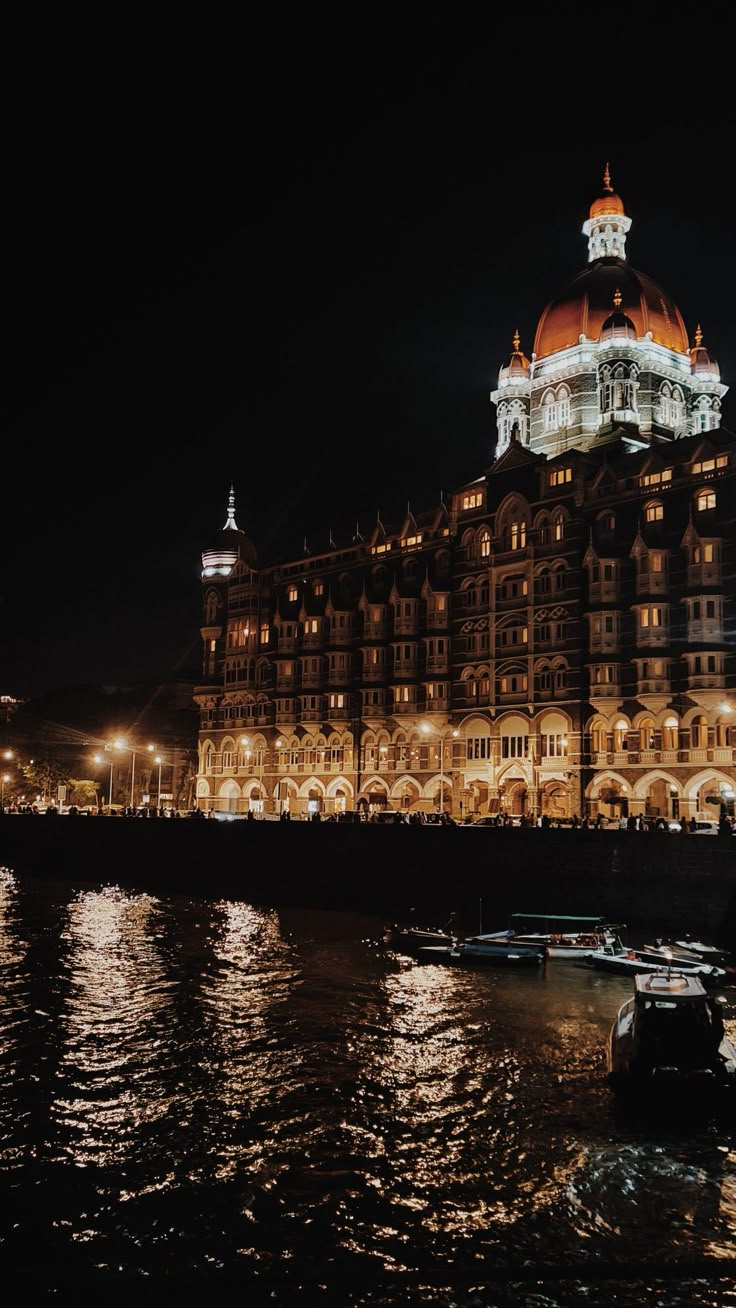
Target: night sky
pixel 299 273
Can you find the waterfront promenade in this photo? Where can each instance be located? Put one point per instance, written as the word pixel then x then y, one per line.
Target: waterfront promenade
pixel 657 880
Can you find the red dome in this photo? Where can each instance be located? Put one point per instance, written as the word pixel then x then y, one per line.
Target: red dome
pixel 609 202
pixel 584 306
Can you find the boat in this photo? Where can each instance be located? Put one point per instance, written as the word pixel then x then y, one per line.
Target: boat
pixel 669 1036
pixel 563 936
pixel 635 962
pixel 409 940
pixel 484 949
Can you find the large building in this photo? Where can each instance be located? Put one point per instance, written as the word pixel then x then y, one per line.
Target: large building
pixel 555 638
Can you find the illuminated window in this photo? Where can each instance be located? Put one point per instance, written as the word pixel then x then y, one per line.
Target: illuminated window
pixel 473 500
pixel 337 701
pixel 292 594
pixel 559 476
pixel 710 465
pixel 518 535
pixel 656 478
pixel 651 616
pixel 559 528
pixel 703 553
pixel 705 499
pixel 311 626
pixel 319 588
pixel 654 512
pixel 485 543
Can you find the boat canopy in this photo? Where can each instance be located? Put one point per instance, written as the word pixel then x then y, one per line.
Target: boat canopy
pixel 555 917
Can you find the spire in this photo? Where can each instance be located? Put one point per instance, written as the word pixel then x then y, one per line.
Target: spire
pixel 607 180
pixel 617 298
pixel 306 547
pixel 358 538
pixel 231 524
pixel 698 336
pixel 332 541
pixel 517 341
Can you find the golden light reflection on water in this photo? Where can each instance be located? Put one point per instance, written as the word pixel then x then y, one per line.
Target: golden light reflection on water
pixel 251 977
pixel 118 1008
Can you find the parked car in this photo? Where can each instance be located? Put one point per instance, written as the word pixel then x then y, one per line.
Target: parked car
pixel 700 829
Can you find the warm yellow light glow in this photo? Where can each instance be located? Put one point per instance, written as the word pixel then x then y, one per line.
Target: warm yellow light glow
pixel 6 777
pixel 158 759
pixel 150 748
pixel 120 744
pixel 97 758
pixel 8 753
pixel 244 740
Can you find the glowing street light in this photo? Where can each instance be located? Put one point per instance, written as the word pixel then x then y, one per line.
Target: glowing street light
pixel 99 759
pixel 9 754
pixel 158 759
pixel 6 777
pixel 454 733
pixel 122 744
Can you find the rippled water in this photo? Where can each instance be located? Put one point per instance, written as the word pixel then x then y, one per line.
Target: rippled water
pixel 196 1094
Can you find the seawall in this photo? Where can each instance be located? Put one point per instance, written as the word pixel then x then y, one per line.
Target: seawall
pixel 659 880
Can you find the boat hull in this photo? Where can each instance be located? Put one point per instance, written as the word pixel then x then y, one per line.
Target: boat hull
pixel 461 956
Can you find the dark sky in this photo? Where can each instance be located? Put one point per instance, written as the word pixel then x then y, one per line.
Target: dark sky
pixel 298 270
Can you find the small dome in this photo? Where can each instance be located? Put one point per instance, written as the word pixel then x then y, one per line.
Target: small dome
pixel 229 545
pixel 608 201
pixel 701 361
pixel 518 364
pixel 618 324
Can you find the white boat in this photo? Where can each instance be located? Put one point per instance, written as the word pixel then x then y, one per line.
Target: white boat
pixel 563 936
pixel 670 1036
pixel 635 962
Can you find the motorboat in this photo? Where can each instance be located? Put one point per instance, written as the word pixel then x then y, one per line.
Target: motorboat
pixel 670 1036
pixel 634 962
pixel 563 936
pixel 484 949
pixel 410 940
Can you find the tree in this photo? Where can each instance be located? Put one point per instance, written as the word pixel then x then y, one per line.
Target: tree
pixel 45 775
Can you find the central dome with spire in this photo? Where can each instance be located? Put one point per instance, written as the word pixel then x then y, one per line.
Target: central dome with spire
pixel 611 359
pixel 581 310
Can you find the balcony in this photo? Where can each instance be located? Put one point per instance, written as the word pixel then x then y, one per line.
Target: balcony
pixel 311 680
pixel 604 592
pixel 706 681
pixel 341 636
pixel 286 644
pixel 653 686
pixel 722 754
pixel 437 663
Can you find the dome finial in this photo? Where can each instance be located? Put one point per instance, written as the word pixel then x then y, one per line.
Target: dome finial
pixel 517 340
pixel 607 180
pixel 231 523
pixel 617 298
pixel 698 335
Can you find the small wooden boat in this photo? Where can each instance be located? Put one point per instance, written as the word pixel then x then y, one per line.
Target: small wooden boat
pixel 669 1037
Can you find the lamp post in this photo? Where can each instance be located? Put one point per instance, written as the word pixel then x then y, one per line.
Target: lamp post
pixel 453 733
pixel 6 777
pixel 99 759
pixel 158 759
pixel 123 744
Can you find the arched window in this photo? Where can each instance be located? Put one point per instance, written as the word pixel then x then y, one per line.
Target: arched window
pixel 517 536
pixel 484 543
pixel 617 387
pixel 654 511
pixel 670 733
pixel 646 733
pixel 210 607
pixel 598 738
pixel 699 732
pixel 620 730
pixel 559 527
pixel 705 499
pixel 560 677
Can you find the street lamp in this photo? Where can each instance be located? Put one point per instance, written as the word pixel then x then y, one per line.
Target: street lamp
pixel 158 759
pixel 426 728
pixel 6 777
pixel 123 744
pixel 99 759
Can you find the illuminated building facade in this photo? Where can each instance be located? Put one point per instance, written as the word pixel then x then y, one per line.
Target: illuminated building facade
pixel 555 638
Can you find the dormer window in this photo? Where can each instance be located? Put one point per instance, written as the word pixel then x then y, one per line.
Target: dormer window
pixel 559 476
pixel 656 478
pixel 473 500
pixel 709 465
